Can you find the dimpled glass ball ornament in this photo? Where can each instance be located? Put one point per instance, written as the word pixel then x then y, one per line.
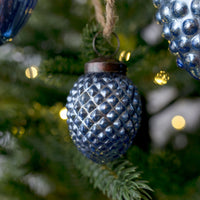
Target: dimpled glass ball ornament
pixel 104 111
pixel 181 26
pixel 13 15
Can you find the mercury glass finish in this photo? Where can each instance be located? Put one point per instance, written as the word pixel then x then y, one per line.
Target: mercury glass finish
pixel 104 113
pixel 195 6
pixel 156 3
pixel 190 26
pixel 173 47
pixel 13 15
pixel 175 28
pixel 181 27
pixel 166 33
pixel 196 42
pixel 179 9
pixel 165 13
pixel 183 44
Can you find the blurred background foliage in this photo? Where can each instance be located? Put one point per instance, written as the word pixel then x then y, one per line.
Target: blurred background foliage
pixel 38 69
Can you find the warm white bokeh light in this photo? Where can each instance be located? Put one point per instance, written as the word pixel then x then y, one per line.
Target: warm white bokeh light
pixel 31 72
pixel 128 56
pixel 161 78
pixel 63 113
pixel 125 56
pixel 178 122
pixel 121 56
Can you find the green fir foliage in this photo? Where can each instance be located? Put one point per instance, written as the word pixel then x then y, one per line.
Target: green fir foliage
pixel 119 180
pixel 105 47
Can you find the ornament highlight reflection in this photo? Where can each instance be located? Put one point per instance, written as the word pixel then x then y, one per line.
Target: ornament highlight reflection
pixel 31 72
pixel 178 122
pixel 63 113
pixel 161 78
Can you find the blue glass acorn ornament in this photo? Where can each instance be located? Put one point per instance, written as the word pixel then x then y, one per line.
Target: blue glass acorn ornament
pixel 13 15
pixel 181 27
pixel 104 111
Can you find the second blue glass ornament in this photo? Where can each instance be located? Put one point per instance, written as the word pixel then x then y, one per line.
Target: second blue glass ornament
pixel 181 27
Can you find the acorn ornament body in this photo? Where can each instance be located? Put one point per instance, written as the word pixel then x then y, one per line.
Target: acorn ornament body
pixel 13 15
pixel 104 111
pixel 181 27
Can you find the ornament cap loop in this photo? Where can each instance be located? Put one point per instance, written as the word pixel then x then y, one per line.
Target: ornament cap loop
pixel 103 64
pixel 94 44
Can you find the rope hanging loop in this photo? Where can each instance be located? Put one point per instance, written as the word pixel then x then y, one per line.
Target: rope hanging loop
pixel 109 20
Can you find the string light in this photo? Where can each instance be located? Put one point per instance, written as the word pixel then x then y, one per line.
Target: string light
pixel 31 72
pixel 128 56
pixel 178 122
pixel 161 78
pixel 18 130
pixel 14 130
pixel 121 56
pixel 124 56
pixel 10 40
pixel 63 113
pixel 21 130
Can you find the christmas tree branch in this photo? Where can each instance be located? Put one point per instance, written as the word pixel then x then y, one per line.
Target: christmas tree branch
pixel 103 46
pixel 13 79
pixel 60 65
pixel 119 180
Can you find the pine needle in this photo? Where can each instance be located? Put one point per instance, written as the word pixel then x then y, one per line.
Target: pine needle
pixel 119 180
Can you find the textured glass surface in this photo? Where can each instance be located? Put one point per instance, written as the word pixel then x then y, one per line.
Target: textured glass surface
pixel 13 15
pixel 104 112
pixel 181 26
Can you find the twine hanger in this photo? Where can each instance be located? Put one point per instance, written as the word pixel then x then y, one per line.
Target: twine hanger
pixel 108 22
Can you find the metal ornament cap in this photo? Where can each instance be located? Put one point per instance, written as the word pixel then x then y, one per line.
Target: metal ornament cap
pixel 103 64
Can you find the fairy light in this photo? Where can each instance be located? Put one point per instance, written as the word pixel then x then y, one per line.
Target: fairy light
pixel 128 56
pixel 178 122
pixel 121 56
pixel 161 78
pixel 18 130
pixel 31 72
pixel 63 113
pixel 10 40
pixel 14 130
pixel 124 56
pixel 21 130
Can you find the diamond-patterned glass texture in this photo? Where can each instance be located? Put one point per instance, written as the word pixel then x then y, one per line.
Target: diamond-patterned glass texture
pixel 108 114
pixel 13 15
